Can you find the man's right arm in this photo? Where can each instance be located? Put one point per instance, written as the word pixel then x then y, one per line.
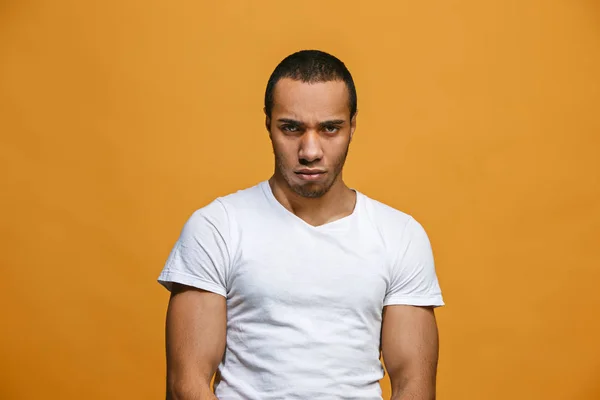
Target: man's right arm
pixel 196 326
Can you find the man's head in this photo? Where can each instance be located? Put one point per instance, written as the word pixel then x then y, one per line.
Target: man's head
pixel 310 108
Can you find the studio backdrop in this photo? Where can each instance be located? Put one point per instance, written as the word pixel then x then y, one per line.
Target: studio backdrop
pixel 118 119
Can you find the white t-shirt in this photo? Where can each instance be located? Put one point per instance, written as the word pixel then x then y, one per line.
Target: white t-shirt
pixel 304 303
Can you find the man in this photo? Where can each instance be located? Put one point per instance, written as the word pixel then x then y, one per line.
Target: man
pixel 290 289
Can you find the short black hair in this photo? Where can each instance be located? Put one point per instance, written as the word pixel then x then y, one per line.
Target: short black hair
pixel 311 66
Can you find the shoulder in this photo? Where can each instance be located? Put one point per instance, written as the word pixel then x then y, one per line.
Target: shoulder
pixel 221 212
pixel 393 225
pixel 243 198
pixel 385 216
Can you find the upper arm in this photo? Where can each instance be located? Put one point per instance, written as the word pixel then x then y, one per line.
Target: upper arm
pixel 195 337
pixel 196 273
pixel 409 344
pixel 409 335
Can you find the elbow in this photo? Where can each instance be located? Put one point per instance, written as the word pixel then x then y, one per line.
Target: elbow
pixel 177 391
pixel 188 391
pixel 417 389
pixel 174 388
pixel 403 395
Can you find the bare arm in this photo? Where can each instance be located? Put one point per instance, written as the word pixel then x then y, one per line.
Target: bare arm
pixel 409 343
pixel 195 342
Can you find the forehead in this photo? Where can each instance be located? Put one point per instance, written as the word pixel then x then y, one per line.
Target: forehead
pixel 303 100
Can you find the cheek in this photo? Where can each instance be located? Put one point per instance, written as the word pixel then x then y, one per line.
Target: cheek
pixel 284 150
pixel 337 149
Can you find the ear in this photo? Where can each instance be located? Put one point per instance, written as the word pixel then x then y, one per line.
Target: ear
pixel 353 124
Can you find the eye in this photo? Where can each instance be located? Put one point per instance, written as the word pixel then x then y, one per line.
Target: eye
pixel 331 128
pixel 290 128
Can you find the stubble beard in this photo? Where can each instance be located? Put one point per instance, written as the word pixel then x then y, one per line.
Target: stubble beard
pixel 309 189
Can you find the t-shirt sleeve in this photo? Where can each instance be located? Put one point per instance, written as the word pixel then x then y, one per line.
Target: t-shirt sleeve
pixel 200 257
pixel 413 278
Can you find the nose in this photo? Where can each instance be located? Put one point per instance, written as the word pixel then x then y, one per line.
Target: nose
pixel 310 147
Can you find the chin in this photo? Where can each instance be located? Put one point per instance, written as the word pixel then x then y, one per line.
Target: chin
pixel 310 190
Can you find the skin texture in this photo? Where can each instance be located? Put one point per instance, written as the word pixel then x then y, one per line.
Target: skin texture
pixel 195 342
pixel 409 342
pixel 310 128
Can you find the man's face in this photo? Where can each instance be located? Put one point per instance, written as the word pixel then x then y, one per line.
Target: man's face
pixel 310 129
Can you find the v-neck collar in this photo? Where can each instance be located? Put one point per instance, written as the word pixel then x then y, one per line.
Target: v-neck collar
pixel 339 223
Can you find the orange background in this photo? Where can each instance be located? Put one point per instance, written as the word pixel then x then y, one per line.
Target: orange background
pixel 120 118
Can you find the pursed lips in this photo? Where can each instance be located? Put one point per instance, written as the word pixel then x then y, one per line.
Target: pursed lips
pixel 310 174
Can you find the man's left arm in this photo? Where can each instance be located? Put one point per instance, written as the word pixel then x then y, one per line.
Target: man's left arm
pixel 409 344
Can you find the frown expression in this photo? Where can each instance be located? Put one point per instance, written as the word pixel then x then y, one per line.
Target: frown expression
pixel 310 129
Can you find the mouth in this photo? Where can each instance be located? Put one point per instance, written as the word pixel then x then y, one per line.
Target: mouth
pixel 310 174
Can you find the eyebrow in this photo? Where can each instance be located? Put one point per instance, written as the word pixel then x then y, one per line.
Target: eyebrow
pixel 333 122
pixel 289 121
pixel 329 122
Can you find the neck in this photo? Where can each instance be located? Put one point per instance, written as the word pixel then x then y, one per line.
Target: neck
pixel 338 202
